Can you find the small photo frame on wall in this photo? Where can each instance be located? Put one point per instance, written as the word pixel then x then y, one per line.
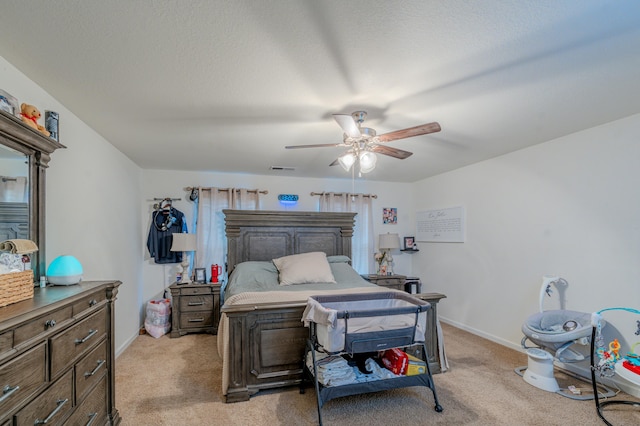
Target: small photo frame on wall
pixel 409 242
pixel 201 276
pixel 389 216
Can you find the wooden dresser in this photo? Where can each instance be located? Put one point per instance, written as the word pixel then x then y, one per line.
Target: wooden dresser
pixel 57 357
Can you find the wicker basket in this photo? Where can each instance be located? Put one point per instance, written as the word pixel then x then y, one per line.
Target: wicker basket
pixel 15 287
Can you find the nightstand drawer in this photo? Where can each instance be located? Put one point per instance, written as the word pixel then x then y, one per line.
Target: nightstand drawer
pixel 196 303
pixel 191 290
pixel 389 281
pixel 196 319
pixel 395 284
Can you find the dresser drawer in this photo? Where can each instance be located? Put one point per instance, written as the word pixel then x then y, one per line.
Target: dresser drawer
pixel 88 302
pixel 26 374
pixel 196 303
pixel 53 406
pixel 68 346
pixel 90 369
pixel 6 341
pixel 196 319
pixel 41 324
pixel 92 410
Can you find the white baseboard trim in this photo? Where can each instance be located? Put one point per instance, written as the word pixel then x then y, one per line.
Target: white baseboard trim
pixel 125 345
pixel 482 334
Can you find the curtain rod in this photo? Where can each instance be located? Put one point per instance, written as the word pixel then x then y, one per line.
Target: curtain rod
pixel 189 188
pixel 339 194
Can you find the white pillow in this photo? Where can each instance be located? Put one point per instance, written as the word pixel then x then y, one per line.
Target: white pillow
pixel 304 268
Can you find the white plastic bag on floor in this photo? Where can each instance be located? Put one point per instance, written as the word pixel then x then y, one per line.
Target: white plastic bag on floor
pixel 158 319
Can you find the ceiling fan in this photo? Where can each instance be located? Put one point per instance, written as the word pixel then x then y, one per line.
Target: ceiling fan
pixel 363 142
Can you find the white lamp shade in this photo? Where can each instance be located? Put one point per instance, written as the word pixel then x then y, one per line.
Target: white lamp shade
pixel 183 242
pixel 368 161
pixel 389 241
pixel 347 160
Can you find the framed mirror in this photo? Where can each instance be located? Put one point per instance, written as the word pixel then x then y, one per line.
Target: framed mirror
pixel 24 158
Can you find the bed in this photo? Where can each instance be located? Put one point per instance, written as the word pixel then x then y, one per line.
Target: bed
pixel 261 338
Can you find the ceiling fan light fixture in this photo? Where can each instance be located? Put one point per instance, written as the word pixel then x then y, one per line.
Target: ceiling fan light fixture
pixel 347 160
pixel 368 161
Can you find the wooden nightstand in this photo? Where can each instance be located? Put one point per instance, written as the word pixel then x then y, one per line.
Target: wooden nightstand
pixel 196 308
pixel 431 331
pixel 390 281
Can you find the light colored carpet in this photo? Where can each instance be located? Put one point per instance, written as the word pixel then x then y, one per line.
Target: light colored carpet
pixel 177 382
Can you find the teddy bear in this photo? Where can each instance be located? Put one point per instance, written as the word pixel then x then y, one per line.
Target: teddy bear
pixel 30 115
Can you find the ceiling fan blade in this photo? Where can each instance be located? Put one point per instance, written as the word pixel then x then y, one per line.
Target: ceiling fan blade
pixel 317 145
pixel 422 129
pixel 391 152
pixel 348 125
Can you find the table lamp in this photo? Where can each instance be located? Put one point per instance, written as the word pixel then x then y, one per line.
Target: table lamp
pixel 184 243
pixel 386 243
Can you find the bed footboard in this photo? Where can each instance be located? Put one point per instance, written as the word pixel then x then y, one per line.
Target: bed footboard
pixel 266 348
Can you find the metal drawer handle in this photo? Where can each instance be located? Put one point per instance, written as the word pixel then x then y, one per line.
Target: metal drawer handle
pixel 92 417
pixel 91 333
pixel 196 319
pixel 61 403
pixel 93 302
pixel 196 303
pixel 95 370
pixel 8 391
pixel 50 323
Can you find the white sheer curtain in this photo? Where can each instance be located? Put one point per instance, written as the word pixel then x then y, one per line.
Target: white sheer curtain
pixel 211 240
pixel 363 242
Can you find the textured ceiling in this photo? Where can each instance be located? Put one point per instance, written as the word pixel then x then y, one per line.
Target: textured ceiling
pixel 225 85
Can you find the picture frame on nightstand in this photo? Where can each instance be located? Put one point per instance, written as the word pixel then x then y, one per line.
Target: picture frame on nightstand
pixel 200 276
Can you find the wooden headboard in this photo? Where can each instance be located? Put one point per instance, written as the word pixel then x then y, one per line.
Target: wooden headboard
pixel 265 234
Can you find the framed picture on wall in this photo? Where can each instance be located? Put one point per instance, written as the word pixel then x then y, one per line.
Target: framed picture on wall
pixel 201 276
pixel 390 216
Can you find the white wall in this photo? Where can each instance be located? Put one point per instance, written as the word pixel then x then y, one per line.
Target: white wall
pixel 568 207
pixel 93 201
pixel 164 183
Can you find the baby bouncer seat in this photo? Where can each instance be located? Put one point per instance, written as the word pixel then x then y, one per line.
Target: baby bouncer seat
pixel 554 333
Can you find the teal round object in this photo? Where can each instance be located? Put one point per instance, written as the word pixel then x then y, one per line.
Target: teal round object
pixel 64 270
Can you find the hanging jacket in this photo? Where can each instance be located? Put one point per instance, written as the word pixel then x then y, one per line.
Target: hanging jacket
pixel 159 241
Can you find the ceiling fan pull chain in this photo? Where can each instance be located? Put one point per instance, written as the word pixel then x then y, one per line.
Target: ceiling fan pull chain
pixel 353 181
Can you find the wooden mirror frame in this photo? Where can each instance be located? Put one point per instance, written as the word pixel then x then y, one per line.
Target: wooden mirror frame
pixel 37 148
